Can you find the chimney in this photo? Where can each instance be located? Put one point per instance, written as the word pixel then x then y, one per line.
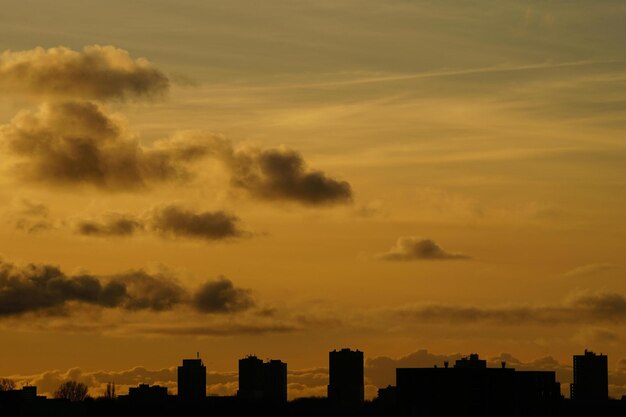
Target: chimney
pixel 503 363
pixel 445 364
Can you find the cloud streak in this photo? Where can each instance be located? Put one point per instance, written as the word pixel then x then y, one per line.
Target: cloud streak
pixel 417 248
pixel 95 73
pixel 585 307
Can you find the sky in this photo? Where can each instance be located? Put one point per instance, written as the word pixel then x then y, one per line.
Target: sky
pixel 416 179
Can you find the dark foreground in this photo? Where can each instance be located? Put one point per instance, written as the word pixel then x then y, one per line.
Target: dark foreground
pixel 313 407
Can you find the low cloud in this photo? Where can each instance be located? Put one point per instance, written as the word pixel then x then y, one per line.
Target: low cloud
pixel 221 296
pixel 45 289
pixel 586 307
pixel 282 175
pixel 417 248
pixel 95 73
pixel 381 370
pixel 169 221
pixel 111 225
pixel 157 292
pixel 175 221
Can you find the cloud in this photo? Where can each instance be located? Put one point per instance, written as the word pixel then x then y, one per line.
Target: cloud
pixel 221 296
pixel 592 335
pixel 30 216
pixel 585 307
pixel 95 73
pixel 37 288
pixel 112 225
pixel 590 270
pixel 45 289
pixel 282 175
pixel 156 292
pixel 79 143
pixel 178 222
pixel 417 248
pixel 219 330
pixel 169 221
pixel 30 208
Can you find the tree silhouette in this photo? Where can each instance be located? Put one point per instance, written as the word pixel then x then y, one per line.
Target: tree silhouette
pixel 7 384
pixel 109 393
pixel 71 390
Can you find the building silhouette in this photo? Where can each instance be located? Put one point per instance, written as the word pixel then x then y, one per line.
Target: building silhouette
pixel 275 376
pixel 469 362
pixel 470 388
pixel 192 380
pixel 145 393
pixel 591 378
pixel 260 380
pixel 346 386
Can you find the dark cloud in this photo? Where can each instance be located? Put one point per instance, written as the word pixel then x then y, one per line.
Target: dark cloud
pixel 96 72
pixel 221 296
pixel 178 222
pixel 167 221
pixel 74 143
pixel 156 292
pixel 113 225
pixel 581 308
pixel 46 289
pixel 79 143
pixel 282 174
pixel 417 248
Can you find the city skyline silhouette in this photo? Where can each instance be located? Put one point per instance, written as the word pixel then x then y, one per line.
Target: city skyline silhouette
pixel 467 386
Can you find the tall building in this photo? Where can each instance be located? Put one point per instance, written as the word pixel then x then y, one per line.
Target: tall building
pixel 275 379
pixel 250 378
pixel 346 387
pixel 260 380
pixel 192 380
pixel 591 378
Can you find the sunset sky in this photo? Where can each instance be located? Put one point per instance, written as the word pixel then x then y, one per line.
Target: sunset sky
pixel 416 179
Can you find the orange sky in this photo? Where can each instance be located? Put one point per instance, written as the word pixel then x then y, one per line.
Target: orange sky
pixel 289 179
